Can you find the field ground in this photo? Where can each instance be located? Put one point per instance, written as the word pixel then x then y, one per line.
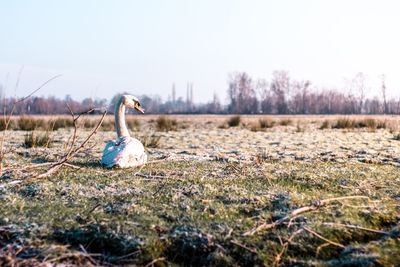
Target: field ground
pixel 213 195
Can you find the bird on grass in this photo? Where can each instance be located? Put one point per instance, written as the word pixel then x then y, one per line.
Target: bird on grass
pixel 126 151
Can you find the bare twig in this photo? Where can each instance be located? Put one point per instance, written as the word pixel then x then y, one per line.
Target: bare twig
pixel 315 206
pixel 244 247
pixel 154 261
pixel 7 117
pixel 72 151
pixel 285 246
pixel 323 238
pixel 351 226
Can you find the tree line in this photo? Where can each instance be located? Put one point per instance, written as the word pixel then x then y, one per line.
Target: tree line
pixel 280 95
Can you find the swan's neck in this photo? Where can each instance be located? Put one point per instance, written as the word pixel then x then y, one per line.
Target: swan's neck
pixel 120 124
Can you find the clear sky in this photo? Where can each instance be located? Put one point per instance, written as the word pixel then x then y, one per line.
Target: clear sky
pixel 104 47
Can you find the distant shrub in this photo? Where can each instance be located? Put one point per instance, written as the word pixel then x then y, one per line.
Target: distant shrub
pixel 344 123
pixel 11 126
pixel 108 125
pixel 381 125
pixel 299 128
pixel 26 123
pixel 165 124
pixel 266 123
pixel 234 121
pixel 285 122
pixel 150 141
pixel 262 124
pixel 133 124
pixel 370 123
pixel 89 123
pixel 62 122
pixel 325 125
pixel 34 139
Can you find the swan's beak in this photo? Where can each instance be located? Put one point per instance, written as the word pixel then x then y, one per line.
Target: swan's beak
pixel 138 108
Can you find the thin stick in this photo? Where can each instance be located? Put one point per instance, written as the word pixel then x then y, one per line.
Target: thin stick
pixel 154 261
pixel 285 246
pixel 323 238
pixel 244 247
pixel 72 152
pixel 351 226
pixel 315 206
pixel 7 117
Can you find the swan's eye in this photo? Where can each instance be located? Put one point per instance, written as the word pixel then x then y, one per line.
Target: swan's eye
pixel 138 104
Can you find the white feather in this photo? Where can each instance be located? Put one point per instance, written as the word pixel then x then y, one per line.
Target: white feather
pixel 124 152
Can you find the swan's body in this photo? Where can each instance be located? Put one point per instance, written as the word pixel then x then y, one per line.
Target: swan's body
pixel 126 151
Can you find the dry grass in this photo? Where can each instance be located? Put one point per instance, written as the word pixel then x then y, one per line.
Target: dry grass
pixel 37 139
pixel 262 124
pixel 182 211
pixel 370 123
pixel 234 121
pixel 285 122
pixel 150 140
pixel 165 124
pixel 326 124
pixel 133 124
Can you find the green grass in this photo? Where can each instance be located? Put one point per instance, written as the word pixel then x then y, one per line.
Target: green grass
pixel 195 213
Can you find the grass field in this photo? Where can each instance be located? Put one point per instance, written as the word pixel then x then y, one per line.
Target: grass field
pixel 271 191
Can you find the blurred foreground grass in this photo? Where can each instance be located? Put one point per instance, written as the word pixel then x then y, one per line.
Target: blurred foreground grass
pixel 195 213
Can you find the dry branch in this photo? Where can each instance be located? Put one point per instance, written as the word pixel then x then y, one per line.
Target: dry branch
pixel 323 238
pixel 73 150
pixel 351 226
pixel 296 212
pixel 285 246
pixel 7 117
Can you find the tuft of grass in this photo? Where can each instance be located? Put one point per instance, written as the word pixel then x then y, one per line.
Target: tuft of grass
pixel 370 123
pixel 150 141
pixel 89 124
pixel 285 122
pixel 133 124
pixel 34 139
pixel 381 125
pixel 344 123
pixel 325 125
pixel 164 124
pixel 300 128
pixel 62 122
pixel 266 123
pixel 11 125
pixel 234 121
pixel 27 123
pixel 262 124
pixel 108 125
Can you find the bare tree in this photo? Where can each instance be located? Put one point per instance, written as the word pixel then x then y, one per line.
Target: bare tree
pixel 280 86
pixel 264 92
pixel 241 94
pixel 359 84
pixel 383 88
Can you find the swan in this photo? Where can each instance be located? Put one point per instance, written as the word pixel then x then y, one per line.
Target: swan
pixel 126 151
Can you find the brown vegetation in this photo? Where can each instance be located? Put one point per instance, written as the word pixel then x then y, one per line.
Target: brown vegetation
pixel 165 124
pixel 37 139
pixel 234 121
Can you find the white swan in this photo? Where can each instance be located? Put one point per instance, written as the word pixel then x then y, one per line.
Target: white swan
pixel 126 151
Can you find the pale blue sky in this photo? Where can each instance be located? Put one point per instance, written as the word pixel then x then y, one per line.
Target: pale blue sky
pixel 105 47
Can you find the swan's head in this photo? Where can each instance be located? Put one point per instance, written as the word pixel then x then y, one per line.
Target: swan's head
pixel 132 102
